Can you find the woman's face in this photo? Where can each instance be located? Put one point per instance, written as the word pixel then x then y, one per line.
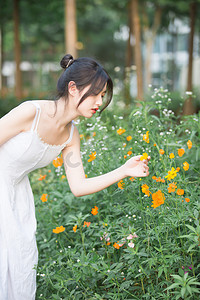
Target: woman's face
pixel 91 104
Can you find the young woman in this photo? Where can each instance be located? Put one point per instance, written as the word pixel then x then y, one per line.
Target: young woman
pixel 31 136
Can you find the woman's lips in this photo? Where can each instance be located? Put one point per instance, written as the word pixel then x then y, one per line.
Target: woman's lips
pixel 94 110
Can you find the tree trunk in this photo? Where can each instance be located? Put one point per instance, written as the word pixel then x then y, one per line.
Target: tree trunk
pixel 137 47
pixel 17 47
pixel 188 108
pixel 150 35
pixel 128 63
pixel 70 28
pixel 1 59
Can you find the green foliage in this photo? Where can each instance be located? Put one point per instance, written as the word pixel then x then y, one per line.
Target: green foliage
pixel 93 257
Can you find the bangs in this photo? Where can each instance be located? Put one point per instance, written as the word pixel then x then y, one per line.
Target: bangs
pixel 97 85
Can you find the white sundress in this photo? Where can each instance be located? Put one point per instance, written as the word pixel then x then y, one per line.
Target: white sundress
pixel 18 250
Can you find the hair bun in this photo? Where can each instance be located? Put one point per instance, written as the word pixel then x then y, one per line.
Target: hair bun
pixel 66 61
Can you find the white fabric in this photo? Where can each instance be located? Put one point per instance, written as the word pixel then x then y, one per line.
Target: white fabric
pixel 18 250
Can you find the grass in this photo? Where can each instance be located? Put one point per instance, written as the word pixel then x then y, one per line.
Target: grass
pixel 92 257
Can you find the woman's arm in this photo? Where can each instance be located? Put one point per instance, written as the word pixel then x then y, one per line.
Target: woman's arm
pixel 81 186
pixel 16 121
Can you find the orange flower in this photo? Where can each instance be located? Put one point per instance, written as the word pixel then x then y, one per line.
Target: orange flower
pixel 154 177
pixel 86 224
pixel 81 136
pixel 158 199
pixel 186 166
pixel 129 152
pixel 189 144
pixel 94 133
pixel 159 179
pixel 171 155
pixel 131 178
pixel 44 197
pixel 146 137
pixel 74 228
pixel 181 152
pixel 154 145
pixel 59 229
pixel 125 156
pixel 145 189
pixel 121 184
pixel 180 192
pixel 94 210
pixel 42 177
pixel 144 156
pixel 187 199
pixel 172 187
pixel 63 177
pixel 108 243
pixel 92 156
pixel 57 162
pixel 129 138
pixel 171 174
pixel 178 169
pixel 161 151
pixel 120 131
pixel 116 246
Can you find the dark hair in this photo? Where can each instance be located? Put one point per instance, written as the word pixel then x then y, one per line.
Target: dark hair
pixel 84 71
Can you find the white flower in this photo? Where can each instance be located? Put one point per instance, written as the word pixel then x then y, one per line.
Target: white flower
pixel 78 260
pixel 188 93
pixel 131 245
pixel 108 271
pixel 139 270
pixel 69 247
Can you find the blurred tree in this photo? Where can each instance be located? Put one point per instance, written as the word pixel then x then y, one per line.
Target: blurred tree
pixel 188 107
pixel 17 49
pixel 137 47
pixel 70 27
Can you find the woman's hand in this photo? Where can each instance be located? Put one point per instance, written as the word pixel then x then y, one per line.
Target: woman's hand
pixel 136 167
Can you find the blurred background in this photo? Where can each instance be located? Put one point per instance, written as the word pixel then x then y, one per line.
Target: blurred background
pixel 142 44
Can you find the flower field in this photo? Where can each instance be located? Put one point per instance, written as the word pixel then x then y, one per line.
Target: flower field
pixel 137 239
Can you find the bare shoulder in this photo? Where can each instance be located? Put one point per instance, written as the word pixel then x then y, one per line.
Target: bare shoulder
pixel 25 111
pixel 17 120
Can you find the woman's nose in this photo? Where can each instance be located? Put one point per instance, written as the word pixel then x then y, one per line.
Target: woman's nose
pixel 99 101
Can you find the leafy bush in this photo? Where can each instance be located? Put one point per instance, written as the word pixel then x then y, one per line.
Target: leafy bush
pixel 137 238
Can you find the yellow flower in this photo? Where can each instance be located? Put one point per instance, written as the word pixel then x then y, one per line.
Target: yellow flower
pixel 171 155
pixel 171 174
pixel 144 156
pixel 63 177
pixel 158 199
pixel 181 152
pixel 44 197
pixel 129 138
pixel 189 144
pixel 186 166
pixel 180 192
pixel 121 130
pixel 74 228
pixel 59 229
pixel 121 184
pixel 92 156
pixel 146 137
pixel 145 189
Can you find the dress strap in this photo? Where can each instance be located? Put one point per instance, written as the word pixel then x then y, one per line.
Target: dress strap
pixel 37 116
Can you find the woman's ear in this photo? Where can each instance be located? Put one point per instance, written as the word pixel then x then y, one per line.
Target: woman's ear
pixel 72 89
